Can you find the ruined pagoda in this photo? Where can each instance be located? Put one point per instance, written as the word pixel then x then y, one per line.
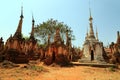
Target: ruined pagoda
pixel 31 46
pixel 16 41
pixel 14 47
pixel 57 51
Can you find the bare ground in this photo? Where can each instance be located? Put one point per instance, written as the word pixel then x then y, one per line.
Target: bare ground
pixel 60 73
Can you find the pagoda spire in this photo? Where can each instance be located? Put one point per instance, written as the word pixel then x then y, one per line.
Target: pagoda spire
pixel 118 37
pixel 96 34
pixel 21 12
pixel 57 37
pixel 86 34
pixel 91 32
pixel 32 31
pixel 118 34
pixel 18 33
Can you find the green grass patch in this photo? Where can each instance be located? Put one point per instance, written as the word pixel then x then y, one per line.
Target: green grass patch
pixel 35 68
pixel 112 69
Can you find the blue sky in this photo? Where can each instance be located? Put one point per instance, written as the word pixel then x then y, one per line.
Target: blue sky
pixel 74 13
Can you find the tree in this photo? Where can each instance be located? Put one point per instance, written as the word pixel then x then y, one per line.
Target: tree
pixel 49 27
pixel 26 37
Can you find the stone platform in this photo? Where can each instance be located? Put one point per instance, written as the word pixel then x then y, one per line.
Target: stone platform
pixel 94 64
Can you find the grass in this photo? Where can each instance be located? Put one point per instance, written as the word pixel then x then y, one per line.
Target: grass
pixel 112 69
pixel 35 68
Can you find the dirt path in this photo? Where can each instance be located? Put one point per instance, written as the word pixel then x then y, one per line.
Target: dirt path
pixel 80 73
pixel 61 73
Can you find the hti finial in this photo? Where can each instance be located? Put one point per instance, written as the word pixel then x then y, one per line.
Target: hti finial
pixel 90 12
pixel 21 12
pixel 33 18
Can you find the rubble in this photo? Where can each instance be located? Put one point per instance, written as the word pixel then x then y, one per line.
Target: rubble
pixel 8 64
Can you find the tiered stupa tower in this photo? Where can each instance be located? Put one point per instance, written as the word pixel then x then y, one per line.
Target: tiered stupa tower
pixel 16 41
pixel 92 48
pixel 57 37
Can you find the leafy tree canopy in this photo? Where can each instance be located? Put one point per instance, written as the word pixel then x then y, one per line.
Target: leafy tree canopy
pixel 49 28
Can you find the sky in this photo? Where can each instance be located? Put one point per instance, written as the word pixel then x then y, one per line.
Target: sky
pixel 74 13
